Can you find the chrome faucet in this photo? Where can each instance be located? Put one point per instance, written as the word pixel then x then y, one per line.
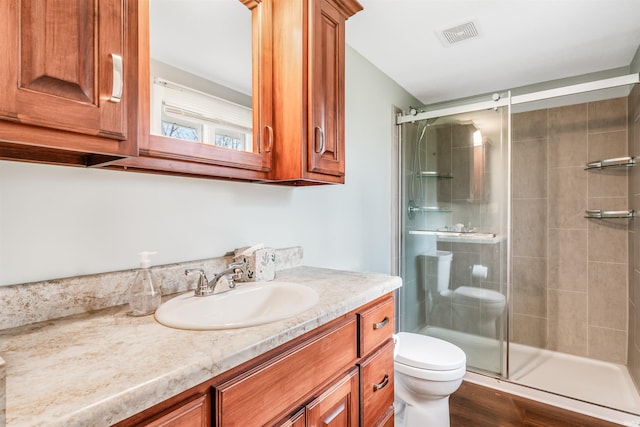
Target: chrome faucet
pixel 207 287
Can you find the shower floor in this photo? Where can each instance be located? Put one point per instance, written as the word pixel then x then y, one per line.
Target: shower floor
pixel 601 383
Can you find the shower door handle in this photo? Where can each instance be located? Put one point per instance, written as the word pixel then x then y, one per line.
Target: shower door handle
pixel 382 324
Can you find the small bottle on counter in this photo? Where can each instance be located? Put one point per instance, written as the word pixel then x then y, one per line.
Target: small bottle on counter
pixel 144 295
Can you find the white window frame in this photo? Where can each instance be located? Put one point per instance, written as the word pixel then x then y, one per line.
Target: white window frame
pixel 182 105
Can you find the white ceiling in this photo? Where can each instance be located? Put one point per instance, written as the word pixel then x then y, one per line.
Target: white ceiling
pixel 520 42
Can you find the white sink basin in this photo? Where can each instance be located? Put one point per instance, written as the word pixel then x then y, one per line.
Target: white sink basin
pixel 247 305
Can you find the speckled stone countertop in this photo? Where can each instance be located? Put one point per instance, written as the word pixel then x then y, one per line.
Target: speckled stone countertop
pixel 95 369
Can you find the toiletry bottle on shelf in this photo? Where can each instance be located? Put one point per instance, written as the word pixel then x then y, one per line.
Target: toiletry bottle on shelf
pixel 144 294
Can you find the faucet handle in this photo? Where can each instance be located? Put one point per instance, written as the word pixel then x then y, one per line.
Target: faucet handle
pixel 203 284
pixel 237 273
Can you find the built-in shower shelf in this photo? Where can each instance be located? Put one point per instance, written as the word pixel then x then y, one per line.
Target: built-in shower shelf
pixel 599 214
pixel 434 174
pixel 618 162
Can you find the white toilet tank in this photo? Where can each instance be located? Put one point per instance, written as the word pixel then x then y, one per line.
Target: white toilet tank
pixel 438 269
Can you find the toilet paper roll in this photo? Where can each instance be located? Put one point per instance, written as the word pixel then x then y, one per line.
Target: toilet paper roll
pixel 479 271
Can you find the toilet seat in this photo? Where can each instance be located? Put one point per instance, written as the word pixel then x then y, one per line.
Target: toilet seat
pixel 430 358
pixel 426 374
pixel 473 295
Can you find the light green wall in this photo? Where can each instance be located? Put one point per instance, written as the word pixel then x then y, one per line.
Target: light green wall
pixel 60 221
pixel 635 63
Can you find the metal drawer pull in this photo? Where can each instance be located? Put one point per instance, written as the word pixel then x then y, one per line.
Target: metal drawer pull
pixel 269 130
pixel 320 149
pixel 382 324
pixel 383 384
pixel 117 85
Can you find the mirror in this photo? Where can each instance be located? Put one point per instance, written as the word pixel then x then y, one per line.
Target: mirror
pixel 201 72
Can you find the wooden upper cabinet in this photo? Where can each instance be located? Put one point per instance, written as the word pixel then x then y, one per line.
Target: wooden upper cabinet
pixel 309 67
pixel 326 95
pixel 68 77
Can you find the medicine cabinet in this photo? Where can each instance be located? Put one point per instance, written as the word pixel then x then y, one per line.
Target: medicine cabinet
pixel 191 122
pixel 296 132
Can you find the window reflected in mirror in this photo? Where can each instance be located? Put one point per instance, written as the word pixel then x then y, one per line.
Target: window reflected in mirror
pixel 181 112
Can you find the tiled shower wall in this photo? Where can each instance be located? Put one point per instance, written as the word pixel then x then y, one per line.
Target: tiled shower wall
pixel 633 353
pixel 570 273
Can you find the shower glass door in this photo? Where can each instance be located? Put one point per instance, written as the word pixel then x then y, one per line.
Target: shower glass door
pixel 454 233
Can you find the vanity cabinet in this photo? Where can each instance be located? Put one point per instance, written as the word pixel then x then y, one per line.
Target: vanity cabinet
pixel 340 374
pixel 309 90
pixel 68 91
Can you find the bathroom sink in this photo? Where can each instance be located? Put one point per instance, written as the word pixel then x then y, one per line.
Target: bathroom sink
pixel 247 305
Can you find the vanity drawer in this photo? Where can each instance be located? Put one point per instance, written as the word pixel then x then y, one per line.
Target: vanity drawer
pixel 376 385
pixel 376 325
pixel 266 391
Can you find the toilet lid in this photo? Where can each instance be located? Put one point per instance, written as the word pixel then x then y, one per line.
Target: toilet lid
pixel 484 295
pixel 421 351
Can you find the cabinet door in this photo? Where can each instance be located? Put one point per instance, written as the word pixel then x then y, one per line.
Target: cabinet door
pixel 337 406
pixel 309 90
pixel 376 377
pixel 62 66
pixel 326 89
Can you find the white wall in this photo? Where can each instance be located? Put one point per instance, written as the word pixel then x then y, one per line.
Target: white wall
pixel 61 221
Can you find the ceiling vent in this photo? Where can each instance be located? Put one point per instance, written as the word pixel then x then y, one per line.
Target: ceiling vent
pixel 459 33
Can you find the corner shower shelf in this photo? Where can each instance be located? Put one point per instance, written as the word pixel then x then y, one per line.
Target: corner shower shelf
pixel 433 174
pixel 617 162
pixel 599 214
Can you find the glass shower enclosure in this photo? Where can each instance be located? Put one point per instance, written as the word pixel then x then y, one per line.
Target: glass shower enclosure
pixel 454 219
pixel 518 226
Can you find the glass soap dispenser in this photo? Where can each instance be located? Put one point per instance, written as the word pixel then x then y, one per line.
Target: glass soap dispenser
pixel 144 295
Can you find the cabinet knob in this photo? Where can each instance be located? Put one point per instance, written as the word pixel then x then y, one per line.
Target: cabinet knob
pixel 117 84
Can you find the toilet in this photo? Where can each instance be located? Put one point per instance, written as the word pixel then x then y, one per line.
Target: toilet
pixel 427 371
pixel 474 309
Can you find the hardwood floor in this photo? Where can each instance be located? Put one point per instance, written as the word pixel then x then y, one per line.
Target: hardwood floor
pixel 477 406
